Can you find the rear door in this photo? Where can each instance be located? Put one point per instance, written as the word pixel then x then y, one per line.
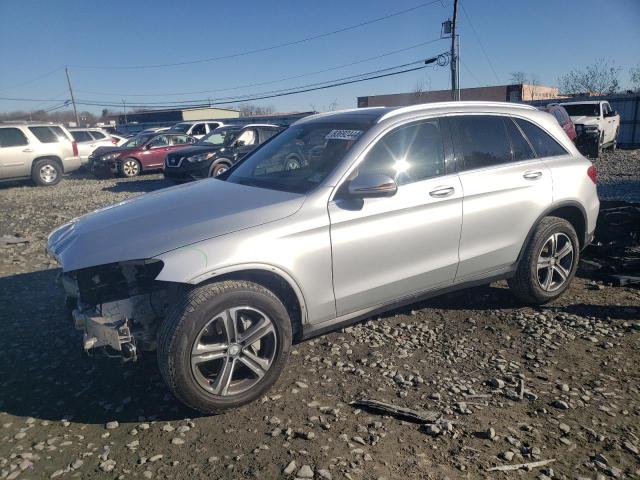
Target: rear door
pixel 506 187
pixel 15 153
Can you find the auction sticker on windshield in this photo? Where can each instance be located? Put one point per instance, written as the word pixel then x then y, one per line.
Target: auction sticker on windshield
pixel 343 134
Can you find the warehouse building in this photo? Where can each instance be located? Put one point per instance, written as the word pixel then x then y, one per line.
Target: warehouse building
pixel 176 115
pixel 498 93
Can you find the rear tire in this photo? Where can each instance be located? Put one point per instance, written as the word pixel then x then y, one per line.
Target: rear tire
pixel 46 172
pixel 548 264
pixel 215 328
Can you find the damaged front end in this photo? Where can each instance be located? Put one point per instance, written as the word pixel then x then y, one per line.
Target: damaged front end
pixel 118 306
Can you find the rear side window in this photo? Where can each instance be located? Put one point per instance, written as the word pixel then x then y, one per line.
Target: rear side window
pixel 12 137
pixel 213 126
pixel 409 154
pixel 60 133
pixel 82 136
pixel 267 134
pixel 44 134
pixel 542 142
pixel 520 148
pixel 181 139
pixel 97 135
pixel 481 140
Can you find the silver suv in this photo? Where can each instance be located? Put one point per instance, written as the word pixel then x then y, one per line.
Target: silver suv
pixel 40 151
pixel 386 207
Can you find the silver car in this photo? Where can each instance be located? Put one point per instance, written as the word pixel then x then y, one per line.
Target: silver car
pixel 388 206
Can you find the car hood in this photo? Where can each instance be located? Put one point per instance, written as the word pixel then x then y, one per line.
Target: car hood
pixel 194 150
pixel 584 120
pixel 154 223
pixel 101 151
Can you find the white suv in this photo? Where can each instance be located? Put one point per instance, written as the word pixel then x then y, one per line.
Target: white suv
pixel 196 129
pixel 40 151
pixel 89 139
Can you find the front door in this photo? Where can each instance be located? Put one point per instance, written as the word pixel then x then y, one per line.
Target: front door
pixel 15 153
pixel 388 248
pixel 155 151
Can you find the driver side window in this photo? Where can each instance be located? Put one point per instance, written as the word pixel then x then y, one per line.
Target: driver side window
pixel 198 129
pixel 408 154
pixel 248 137
pixel 159 141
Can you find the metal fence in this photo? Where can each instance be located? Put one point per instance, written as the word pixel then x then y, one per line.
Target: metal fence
pixel 627 105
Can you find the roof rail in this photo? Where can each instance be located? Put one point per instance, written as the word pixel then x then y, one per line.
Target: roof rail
pixel 429 106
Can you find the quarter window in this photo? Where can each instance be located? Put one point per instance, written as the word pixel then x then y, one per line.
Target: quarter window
pixel 97 135
pixel 520 148
pixel 12 137
pixel 481 141
pixel 44 134
pixel 542 142
pixel 409 154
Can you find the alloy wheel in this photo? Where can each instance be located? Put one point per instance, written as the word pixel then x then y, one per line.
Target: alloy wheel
pixel 130 168
pixel 220 170
pixel 555 262
pixel 233 351
pixel 48 173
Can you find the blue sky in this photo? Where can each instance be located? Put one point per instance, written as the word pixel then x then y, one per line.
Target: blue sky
pixel 544 37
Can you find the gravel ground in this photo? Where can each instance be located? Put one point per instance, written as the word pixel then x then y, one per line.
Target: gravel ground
pixel 619 175
pixel 511 384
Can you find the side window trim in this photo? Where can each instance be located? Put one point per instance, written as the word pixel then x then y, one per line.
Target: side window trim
pixel 25 137
pixel 526 139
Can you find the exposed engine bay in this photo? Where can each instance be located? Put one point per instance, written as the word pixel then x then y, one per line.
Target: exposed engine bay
pixel 119 306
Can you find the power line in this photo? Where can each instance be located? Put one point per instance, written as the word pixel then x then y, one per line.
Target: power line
pixel 464 10
pixel 470 72
pixel 263 97
pixel 28 82
pixel 263 49
pixel 269 82
pixel 238 98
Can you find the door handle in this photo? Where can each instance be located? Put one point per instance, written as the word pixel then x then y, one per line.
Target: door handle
pixel 532 175
pixel 441 192
pixel 28 150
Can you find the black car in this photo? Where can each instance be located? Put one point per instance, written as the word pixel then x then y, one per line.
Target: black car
pixel 217 152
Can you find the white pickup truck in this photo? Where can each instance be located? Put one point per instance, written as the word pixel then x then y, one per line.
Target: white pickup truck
pixel 595 119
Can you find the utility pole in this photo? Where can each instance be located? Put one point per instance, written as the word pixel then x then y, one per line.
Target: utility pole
pixel 124 104
pixel 455 79
pixel 73 100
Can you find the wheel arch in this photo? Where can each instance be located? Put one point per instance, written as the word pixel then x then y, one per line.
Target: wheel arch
pixel 572 212
pixel 55 158
pixel 218 161
pixel 273 278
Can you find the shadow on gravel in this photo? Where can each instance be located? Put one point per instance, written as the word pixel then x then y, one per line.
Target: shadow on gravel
pixel 44 374
pixel 600 311
pixel 139 186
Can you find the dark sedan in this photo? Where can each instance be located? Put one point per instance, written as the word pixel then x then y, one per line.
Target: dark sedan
pixel 217 152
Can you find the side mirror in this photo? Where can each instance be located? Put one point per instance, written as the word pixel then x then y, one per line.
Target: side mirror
pixel 370 185
pixel 239 143
pixel 147 147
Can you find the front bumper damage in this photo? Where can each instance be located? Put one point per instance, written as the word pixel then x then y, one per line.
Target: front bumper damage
pixel 117 307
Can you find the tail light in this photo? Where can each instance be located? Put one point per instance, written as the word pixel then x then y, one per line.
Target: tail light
pixel 593 174
pixel 75 148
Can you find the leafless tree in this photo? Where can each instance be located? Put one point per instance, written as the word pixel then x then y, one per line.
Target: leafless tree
pixel 600 78
pixel 634 74
pixel 251 110
pixel 525 77
pixel 421 89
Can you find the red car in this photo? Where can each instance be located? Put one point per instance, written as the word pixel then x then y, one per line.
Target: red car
pixel 563 119
pixel 139 154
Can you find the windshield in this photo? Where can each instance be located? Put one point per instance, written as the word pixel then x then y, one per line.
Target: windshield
pixel 180 127
pixel 137 141
pixel 220 137
pixel 300 158
pixel 583 109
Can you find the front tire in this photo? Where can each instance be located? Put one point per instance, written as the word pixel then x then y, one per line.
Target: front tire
pixel 130 167
pixel 224 345
pixel 549 262
pixel 219 169
pixel 46 172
